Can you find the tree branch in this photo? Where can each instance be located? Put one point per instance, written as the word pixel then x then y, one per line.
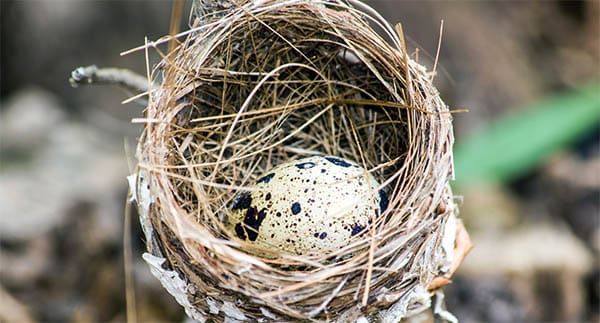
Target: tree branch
pixel 122 77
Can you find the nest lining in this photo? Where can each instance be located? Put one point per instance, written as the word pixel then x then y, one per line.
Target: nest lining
pixel 276 81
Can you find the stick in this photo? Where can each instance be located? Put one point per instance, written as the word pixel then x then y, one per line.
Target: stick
pixel 118 76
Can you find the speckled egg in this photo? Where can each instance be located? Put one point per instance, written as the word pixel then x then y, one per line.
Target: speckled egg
pixel 311 206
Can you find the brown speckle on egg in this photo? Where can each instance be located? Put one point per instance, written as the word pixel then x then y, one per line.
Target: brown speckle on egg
pixel 356 229
pixel 265 179
pixel 306 165
pixel 239 231
pixel 242 201
pixel 296 208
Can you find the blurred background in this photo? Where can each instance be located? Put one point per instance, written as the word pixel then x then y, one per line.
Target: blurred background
pixel 527 71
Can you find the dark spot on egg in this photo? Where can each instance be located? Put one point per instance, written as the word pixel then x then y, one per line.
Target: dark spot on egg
pixel 265 179
pixel 278 214
pixel 323 170
pixel 253 220
pixel 239 231
pixel 268 196
pixel 338 162
pixel 323 235
pixel 242 201
pixel 316 234
pixel 306 165
pixel 383 201
pixel 296 208
pixel 356 229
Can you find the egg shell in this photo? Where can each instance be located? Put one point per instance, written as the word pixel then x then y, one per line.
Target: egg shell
pixel 310 206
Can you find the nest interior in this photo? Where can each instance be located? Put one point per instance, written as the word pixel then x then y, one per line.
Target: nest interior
pixel 272 82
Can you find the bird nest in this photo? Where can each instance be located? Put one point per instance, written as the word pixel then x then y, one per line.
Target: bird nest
pixel 269 82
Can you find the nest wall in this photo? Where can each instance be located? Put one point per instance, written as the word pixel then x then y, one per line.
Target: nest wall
pixel 274 81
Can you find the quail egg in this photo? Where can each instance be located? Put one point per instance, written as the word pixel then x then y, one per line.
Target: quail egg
pixel 310 206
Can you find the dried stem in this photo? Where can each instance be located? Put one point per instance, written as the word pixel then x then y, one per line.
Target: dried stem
pixel 124 78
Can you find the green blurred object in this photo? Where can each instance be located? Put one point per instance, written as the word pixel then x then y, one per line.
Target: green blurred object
pixel 519 142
